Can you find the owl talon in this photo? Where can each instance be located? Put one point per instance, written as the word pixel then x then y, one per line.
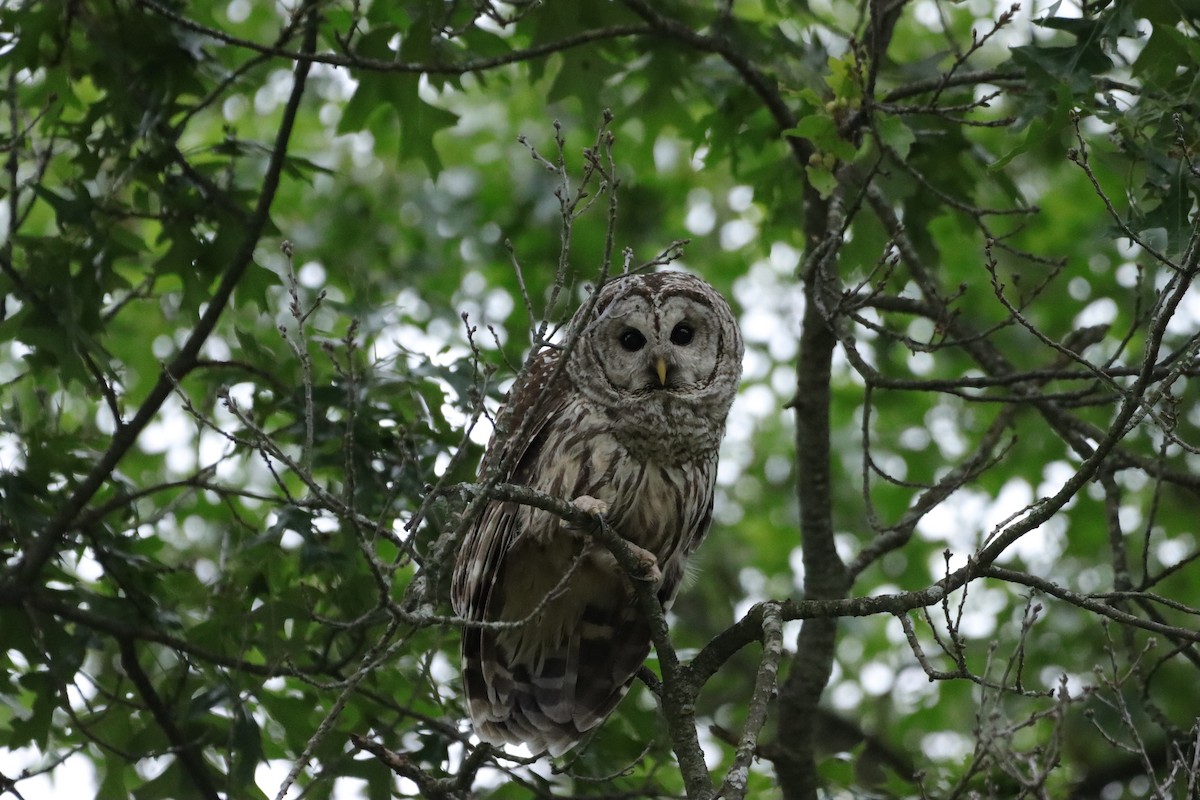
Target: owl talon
pixel 647 565
pixel 646 561
pixel 591 505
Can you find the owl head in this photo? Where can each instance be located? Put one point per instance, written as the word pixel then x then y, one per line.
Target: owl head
pixel 661 340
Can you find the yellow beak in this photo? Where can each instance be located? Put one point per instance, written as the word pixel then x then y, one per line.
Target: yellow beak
pixel 661 369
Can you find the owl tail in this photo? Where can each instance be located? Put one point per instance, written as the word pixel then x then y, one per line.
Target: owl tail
pixel 547 685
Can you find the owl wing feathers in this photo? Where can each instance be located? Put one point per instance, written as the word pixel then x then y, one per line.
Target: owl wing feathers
pixel 477 588
pixel 490 538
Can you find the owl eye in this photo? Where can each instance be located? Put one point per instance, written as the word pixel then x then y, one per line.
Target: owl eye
pixel 682 334
pixel 632 340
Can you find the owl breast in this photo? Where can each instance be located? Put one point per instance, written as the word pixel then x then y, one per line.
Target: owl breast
pixel 658 480
pixel 665 435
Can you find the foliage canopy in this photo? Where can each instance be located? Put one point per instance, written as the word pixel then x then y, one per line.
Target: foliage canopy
pixel 267 268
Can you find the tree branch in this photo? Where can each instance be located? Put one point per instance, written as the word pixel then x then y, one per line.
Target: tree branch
pixel 738 776
pixel 193 764
pixel 308 56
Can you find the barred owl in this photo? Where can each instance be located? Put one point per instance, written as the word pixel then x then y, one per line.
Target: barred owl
pixel 630 427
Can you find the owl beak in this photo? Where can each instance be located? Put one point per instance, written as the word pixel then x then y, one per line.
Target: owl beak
pixel 660 368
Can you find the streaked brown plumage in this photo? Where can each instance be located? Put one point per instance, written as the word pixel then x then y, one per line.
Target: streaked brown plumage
pixel 634 420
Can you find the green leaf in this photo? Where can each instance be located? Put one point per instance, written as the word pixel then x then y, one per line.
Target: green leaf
pixel 1075 67
pixel 114 778
pixel 40 698
pixel 822 131
pixel 246 747
pixel 1041 130
pixel 896 135
pixel 383 100
pixel 844 79
pixel 1164 59
pixel 822 179
pixel 255 285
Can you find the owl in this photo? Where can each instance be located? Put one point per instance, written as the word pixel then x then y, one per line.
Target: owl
pixel 629 426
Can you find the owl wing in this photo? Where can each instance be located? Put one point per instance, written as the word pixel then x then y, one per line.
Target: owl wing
pixel 493 534
pixel 487 576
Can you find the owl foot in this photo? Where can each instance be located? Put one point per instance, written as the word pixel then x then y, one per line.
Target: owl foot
pixel 591 505
pixel 647 564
